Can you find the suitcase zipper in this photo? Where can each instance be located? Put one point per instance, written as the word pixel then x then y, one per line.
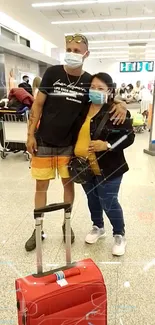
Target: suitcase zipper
pixel 24 317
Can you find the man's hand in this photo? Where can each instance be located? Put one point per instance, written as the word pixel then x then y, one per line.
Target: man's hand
pixel 120 111
pixel 98 145
pixel 31 145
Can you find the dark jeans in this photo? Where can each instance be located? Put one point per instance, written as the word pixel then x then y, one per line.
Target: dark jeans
pixel 104 196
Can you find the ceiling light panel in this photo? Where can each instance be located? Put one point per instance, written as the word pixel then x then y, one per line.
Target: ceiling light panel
pixel 124 41
pixel 65 3
pixel 112 48
pixel 88 21
pixel 108 52
pixel 110 57
pixel 80 2
pixel 92 54
pixel 119 47
pixel 115 32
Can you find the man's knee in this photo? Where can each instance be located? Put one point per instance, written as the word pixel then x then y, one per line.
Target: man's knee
pixel 42 186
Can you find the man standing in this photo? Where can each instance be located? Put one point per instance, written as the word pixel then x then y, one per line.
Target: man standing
pixel 137 91
pixel 25 84
pixel 62 98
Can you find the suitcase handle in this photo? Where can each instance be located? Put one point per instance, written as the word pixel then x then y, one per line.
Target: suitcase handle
pixel 64 275
pixel 52 207
pixel 38 215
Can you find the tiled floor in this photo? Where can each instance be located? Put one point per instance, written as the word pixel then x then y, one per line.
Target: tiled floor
pixel 129 279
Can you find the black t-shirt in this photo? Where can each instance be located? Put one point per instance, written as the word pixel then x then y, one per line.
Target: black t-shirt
pixel 66 100
pixel 26 86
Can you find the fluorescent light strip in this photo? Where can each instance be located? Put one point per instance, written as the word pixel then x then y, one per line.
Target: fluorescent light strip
pixel 115 32
pixel 61 22
pixel 126 58
pixel 125 41
pixel 80 2
pixel 108 56
pixel 147 51
pixel 116 53
pixel 65 3
pixel 129 55
pixel 121 52
pixel 120 47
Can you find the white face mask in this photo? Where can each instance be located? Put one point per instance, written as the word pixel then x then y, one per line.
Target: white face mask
pixel 74 60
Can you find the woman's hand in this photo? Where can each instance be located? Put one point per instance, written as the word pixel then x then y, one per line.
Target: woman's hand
pixel 120 111
pixel 98 145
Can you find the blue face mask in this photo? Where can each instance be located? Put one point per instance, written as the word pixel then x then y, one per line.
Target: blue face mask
pixel 97 96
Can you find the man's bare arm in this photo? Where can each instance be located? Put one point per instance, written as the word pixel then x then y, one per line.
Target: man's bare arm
pixel 118 99
pixel 36 112
pixel 119 110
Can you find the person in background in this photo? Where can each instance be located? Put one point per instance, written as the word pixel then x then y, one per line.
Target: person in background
pixel 35 86
pixel 61 100
pixel 107 162
pixel 12 80
pixel 122 90
pixel 121 93
pixel 129 95
pixel 146 100
pixel 137 88
pixel 26 85
pixel 125 93
pixel 137 91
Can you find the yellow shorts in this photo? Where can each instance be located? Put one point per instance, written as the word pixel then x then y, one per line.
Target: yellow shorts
pixel 46 168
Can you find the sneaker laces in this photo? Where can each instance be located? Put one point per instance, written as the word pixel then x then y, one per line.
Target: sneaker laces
pixel 94 230
pixel 118 240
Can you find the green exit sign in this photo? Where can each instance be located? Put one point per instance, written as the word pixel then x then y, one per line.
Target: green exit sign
pixel 138 66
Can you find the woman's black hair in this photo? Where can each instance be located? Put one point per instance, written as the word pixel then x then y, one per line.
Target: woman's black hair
pixel 106 78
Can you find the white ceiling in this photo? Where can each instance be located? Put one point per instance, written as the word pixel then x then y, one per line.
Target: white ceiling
pixel 22 11
pixel 106 11
pixel 39 20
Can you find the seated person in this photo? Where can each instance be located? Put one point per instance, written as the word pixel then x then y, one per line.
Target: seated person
pixel 106 160
pixel 129 94
pixel 122 90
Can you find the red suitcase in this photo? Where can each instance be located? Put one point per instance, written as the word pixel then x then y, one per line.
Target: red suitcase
pixel 72 295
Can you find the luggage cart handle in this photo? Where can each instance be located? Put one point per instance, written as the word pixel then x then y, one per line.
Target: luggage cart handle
pixel 52 207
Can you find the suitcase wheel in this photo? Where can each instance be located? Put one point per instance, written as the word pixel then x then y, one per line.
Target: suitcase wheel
pixel 27 156
pixel 3 154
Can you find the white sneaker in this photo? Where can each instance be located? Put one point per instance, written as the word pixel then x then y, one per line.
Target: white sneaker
pixel 94 235
pixel 119 245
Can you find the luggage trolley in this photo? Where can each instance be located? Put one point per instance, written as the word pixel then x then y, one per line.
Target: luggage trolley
pixel 139 123
pixel 14 132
